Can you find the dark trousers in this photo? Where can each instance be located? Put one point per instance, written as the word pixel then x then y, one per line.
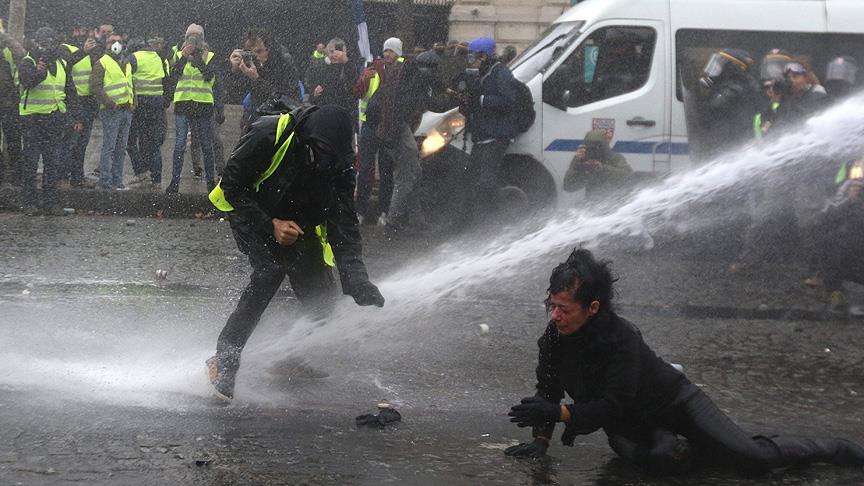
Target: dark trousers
pixel 43 136
pixel 370 146
pixel 310 278
pixel 485 177
pixel 146 136
pixel 713 438
pixel 73 167
pixel 10 125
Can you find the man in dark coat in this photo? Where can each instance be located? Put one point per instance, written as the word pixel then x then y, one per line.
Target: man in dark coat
pixel 652 414
pixel 289 190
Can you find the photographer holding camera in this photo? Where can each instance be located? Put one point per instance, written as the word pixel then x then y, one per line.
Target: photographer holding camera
pixel 333 83
pixel 488 97
pixel 596 168
pixel 196 84
pixel 260 70
pixel 48 103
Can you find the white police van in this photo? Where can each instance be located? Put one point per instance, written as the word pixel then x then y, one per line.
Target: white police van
pixel 622 66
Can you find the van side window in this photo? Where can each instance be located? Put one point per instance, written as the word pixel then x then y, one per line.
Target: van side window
pixel 611 62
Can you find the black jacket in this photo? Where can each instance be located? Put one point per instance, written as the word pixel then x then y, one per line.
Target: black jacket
pixel 277 76
pixel 615 380
pixel 338 83
pixel 295 191
pixel 495 116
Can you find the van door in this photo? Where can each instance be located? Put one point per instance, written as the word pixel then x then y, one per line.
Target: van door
pixel 614 80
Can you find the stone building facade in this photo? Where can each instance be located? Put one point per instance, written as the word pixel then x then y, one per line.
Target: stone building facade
pixel 509 22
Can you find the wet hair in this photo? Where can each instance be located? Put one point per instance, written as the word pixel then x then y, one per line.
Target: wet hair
pixel 585 278
pixel 255 33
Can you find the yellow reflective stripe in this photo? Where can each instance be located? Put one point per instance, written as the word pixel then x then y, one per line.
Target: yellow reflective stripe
pixel 329 258
pixel 217 197
pixel 276 161
pixel 37 101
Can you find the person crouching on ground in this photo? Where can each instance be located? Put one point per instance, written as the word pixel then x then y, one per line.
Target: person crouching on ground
pixel 653 416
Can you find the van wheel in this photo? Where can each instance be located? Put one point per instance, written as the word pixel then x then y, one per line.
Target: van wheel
pixel 528 187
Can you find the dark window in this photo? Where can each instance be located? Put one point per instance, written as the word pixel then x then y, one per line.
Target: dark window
pixel 612 61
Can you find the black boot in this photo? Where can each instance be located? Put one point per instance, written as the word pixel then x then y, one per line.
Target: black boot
pixel 800 450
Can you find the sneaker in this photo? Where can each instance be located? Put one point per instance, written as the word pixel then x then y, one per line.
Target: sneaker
pixel 382 220
pixel 221 385
pixel 360 219
pixel 121 187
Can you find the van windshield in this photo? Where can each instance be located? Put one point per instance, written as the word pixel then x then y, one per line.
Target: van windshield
pixel 548 46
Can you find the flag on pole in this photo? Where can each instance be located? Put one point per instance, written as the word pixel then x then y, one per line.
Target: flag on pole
pixel 362 30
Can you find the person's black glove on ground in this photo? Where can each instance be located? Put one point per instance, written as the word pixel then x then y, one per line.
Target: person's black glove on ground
pixel 535 411
pixel 366 293
pixel 529 449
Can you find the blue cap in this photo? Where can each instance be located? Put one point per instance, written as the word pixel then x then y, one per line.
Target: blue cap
pixel 482 44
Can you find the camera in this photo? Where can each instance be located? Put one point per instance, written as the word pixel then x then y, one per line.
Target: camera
pixel 594 151
pixel 248 57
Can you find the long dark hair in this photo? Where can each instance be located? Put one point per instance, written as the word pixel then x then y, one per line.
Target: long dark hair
pixel 586 278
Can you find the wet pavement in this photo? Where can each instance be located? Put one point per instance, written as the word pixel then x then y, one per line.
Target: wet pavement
pixel 102 377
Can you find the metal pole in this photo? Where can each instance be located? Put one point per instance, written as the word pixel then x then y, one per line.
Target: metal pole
pixel 17 14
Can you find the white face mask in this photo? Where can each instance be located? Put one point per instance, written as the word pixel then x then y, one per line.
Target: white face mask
pixel 117 47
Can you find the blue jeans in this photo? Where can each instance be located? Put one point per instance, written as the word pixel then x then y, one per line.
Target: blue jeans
pixel 115 133
pixel 202 128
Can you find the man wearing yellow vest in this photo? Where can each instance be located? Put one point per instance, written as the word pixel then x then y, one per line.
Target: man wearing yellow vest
pixel 196 86
pixel 111 84
pixel 288 191
pixel 367 90
pixel 149 75
pixel 47 102
pixel 10 123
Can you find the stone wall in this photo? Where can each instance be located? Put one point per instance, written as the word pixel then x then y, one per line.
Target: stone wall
pixel 509 22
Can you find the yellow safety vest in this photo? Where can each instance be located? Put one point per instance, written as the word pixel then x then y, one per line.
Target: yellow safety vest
pixel 191 86
pixel 147 78
pixel 117 81
pixel 374 84
pixel 13 68
pixel 217 196
pixel 757 121
pixel 46 97
pixel 317 55
pixel 81 72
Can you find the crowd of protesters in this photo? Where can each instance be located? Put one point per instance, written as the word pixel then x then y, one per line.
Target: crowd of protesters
pixel 56 86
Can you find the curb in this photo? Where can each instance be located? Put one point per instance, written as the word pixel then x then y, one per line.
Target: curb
pixel 122 203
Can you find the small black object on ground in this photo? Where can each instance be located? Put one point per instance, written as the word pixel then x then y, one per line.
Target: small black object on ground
pixel 386 415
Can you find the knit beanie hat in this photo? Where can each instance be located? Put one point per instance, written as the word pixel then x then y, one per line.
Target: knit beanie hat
pixel 393 44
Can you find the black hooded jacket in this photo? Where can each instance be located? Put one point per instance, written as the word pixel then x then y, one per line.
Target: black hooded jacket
pixel 615 380
pixel 299 190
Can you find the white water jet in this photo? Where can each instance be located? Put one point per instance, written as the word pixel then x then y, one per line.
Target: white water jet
pixel 418 289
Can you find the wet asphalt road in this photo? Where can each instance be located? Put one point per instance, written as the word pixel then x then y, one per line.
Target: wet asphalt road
pixel 102 380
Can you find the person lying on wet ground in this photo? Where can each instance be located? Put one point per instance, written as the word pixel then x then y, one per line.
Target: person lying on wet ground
pixel 653 416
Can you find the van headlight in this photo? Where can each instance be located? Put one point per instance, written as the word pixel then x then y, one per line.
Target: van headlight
pixel 441 136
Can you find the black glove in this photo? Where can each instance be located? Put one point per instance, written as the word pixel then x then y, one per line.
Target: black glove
pixel 535 411
pixel 528 449
pixel 366 293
